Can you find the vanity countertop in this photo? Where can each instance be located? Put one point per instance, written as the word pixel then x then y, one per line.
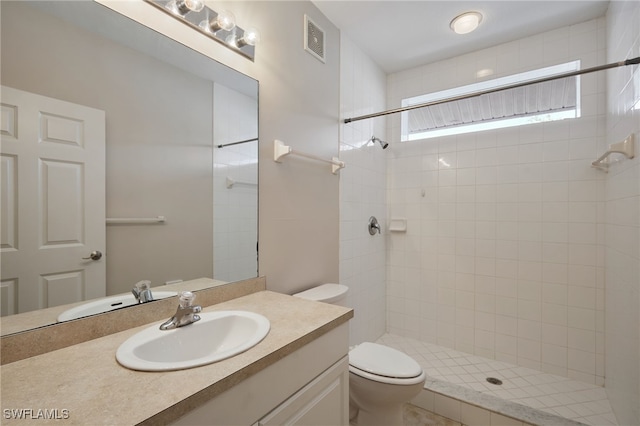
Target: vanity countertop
pixel 85 384
pixel 47 316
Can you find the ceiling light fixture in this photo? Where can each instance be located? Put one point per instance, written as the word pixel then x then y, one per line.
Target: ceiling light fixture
pixel 220 26
pixel 485 72
pixel 465 23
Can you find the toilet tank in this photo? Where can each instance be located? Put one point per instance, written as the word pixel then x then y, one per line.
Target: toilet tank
pixel 336 294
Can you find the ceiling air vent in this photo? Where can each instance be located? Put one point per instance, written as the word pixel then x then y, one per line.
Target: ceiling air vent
pixel 313 39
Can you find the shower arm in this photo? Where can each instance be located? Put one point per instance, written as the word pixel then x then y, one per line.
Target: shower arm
pixel 633 61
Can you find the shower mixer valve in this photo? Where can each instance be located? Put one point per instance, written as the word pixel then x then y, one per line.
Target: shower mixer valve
pixel 374 226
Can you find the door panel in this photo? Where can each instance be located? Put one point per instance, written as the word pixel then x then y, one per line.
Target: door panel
pixel 65 130
pixel 60 287
pixel 62 185
pixel 8 203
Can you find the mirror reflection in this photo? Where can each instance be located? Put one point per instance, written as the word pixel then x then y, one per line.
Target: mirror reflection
pixel 119 159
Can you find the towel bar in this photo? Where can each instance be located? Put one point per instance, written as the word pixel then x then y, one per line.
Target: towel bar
pixel 280 150
pixel 626 147
pixel 135 220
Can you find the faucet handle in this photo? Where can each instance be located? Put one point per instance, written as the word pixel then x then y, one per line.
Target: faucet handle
pixel 143 285
pixel 186 313
pixel 186 299
pixel 189 310
pixel 142 291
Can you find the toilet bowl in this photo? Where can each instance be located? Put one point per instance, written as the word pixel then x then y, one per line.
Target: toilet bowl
pixel 381 379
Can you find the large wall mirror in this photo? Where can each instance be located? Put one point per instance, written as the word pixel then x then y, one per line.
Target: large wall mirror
pixel 118 140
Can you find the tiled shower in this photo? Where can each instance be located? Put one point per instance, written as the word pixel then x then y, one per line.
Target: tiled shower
pixel 235 192
pixel 502 256
pixel 516 249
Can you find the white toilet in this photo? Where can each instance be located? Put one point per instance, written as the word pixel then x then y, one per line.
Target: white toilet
pixel 381 379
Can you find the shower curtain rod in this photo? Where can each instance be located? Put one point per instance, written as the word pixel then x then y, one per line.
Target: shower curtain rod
pixel 633 61
pixel 237 143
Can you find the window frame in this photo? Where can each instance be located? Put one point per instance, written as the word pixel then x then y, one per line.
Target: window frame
pixel 488 85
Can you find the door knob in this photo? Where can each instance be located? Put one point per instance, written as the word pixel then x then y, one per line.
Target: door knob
pixel 95 255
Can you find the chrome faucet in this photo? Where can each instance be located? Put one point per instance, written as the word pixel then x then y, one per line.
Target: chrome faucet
pixel 186 314
pixel 142 291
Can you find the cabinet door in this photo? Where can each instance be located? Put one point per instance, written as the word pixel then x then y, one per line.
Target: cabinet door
pixel 324 401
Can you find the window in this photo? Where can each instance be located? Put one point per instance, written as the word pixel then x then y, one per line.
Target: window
pixel 535 103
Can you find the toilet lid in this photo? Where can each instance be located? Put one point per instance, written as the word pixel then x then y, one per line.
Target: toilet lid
pixel 327 293
pixel 383 361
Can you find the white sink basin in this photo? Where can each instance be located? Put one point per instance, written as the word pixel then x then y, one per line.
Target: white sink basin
pixel 217 336
pixel 107 304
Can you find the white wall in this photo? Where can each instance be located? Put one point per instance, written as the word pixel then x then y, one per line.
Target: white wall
pixel 299 100
pixel 503 257
pixel 622 225
pixel 362 193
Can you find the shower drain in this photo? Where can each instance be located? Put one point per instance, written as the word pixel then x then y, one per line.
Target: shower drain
pixel 494 381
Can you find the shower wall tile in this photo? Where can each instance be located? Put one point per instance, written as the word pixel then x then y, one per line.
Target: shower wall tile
pixel 621 208
pixel 507 224
pixel 363 194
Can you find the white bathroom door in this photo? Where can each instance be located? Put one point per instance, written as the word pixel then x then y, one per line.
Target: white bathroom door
pixel 53 201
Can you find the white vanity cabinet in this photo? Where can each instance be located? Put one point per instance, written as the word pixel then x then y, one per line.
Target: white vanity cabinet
pixel 321 402
pixel 307 387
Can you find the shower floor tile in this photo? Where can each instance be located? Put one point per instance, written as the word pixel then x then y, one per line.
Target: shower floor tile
pixel 549 393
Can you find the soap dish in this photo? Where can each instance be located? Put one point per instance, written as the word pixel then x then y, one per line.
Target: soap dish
pixel 398 224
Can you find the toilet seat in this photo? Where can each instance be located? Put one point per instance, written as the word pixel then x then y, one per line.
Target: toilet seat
pixel 384 364
pixel 388 380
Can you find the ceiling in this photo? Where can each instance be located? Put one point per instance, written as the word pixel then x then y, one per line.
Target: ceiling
pixel 399 35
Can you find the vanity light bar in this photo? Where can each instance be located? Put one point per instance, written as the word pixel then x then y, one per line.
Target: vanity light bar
pixel 220 26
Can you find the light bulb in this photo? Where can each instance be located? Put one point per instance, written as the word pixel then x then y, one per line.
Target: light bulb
pixel 466 22
pixel 194 5
pixel 250 37
pixel 225 20
pixel 182 7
